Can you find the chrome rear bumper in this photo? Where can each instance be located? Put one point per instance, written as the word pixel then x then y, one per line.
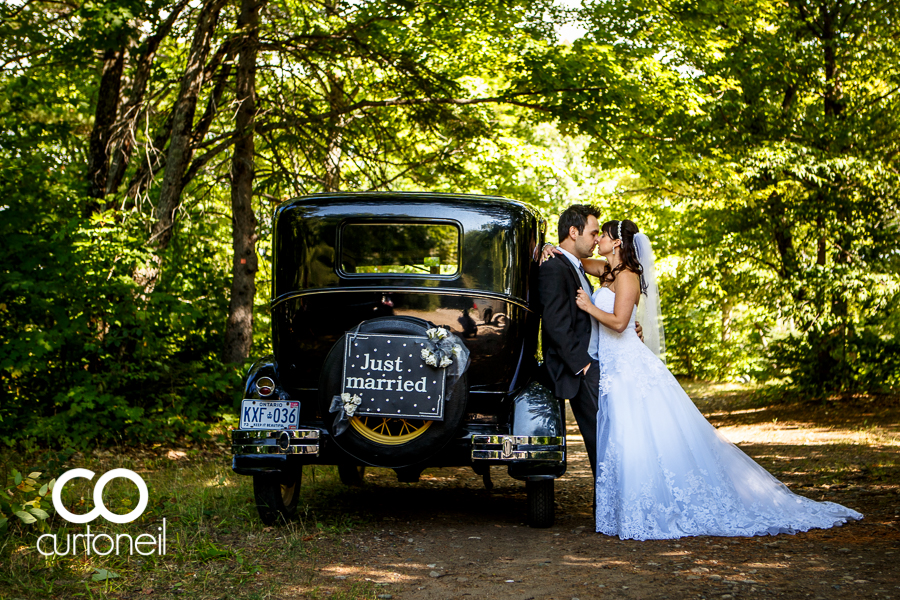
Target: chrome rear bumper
pixel 518 447
pixel 275 441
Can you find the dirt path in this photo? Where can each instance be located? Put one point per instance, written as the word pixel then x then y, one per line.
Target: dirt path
pixel 448 537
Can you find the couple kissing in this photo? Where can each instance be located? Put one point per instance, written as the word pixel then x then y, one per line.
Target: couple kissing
pixel 661 470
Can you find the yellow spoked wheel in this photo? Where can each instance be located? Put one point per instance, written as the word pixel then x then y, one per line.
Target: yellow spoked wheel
pixel 389 432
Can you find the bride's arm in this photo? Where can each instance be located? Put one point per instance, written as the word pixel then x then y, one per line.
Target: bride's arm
pixel 628 288
pixel 594 266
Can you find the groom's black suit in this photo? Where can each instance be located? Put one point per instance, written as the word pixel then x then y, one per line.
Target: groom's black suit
pixel 565 337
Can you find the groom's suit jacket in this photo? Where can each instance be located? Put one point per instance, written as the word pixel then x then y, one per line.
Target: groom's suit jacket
pixel 565 328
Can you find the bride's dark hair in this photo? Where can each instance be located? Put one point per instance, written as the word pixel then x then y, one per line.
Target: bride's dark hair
pixel 629 259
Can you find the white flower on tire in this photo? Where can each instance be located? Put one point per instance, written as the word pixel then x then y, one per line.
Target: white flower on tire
pixel 350 403
pixel 437 333
pixel 429 357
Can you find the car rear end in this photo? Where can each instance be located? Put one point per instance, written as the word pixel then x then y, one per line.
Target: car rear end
pixel 385 269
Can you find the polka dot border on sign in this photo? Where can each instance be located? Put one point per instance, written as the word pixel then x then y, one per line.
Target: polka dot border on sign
pixel 361 345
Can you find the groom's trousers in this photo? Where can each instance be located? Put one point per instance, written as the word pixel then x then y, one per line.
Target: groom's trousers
pixel 584 407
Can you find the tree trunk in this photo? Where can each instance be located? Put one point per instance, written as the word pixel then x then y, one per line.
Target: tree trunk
pixel 332 181
pixel 334 150
pixel 239 328
pixel 104 119
pixel 152 164
pixel 180 147
pixel 123 137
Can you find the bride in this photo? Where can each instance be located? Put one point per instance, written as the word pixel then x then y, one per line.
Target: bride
pixel 663 471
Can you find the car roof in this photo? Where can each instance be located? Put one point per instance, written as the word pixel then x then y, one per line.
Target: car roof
pixel 406 197
pixel 498 235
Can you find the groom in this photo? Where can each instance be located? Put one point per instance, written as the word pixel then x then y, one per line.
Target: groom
pixel 569 334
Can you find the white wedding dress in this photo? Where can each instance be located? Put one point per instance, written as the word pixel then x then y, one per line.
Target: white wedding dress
pixel 664 471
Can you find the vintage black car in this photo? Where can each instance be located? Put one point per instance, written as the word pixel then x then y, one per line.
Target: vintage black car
pixel 360 283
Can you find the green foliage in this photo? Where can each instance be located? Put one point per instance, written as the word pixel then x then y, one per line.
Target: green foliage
pixel 840 354
pixel 24 502
pixel 760 147
pixel 93 353
pixel 87 355
pixel 755 142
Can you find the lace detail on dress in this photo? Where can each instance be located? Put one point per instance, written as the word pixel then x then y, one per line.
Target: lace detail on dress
pixel 664 472
pixel 619 352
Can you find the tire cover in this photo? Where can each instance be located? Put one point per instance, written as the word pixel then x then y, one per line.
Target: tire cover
pixel 417 450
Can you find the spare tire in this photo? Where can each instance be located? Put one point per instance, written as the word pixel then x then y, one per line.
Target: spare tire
pixel 387 442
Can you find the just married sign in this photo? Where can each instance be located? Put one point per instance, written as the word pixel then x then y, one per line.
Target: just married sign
pixel 390 377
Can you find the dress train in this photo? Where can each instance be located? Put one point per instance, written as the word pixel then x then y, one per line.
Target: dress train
pixel 665 472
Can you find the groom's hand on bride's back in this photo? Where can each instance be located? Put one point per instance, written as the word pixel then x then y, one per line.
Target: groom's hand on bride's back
pixel 639 330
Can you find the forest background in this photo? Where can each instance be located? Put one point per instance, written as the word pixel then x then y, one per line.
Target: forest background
pixel 145 145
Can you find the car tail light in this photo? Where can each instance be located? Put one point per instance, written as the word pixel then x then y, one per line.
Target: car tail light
pixel 265 386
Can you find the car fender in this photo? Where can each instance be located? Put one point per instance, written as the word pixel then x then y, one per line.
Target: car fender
pixel 537 413
pixel 264 367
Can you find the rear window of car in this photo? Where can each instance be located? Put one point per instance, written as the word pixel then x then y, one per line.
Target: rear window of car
pixel 426 249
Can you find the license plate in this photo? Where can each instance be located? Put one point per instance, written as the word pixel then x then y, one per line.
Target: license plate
pixel 276 414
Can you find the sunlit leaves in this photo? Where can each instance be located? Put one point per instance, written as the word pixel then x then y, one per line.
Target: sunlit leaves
pixel 765 139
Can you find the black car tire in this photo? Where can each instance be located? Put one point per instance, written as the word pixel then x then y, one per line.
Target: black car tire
pixel 276 496
pixel 541 510
pixel 437 435
pixel 351 475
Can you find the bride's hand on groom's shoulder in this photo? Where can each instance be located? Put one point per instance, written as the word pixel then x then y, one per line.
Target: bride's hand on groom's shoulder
pixel 547 252
pixel 583 300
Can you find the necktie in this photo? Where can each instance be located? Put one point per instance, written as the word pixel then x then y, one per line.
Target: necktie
pixel 588 281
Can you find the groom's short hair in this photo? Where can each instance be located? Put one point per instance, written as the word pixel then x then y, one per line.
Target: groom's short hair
pixel 576 216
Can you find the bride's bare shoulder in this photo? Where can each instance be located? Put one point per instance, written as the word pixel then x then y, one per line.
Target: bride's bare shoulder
pixel 631 276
